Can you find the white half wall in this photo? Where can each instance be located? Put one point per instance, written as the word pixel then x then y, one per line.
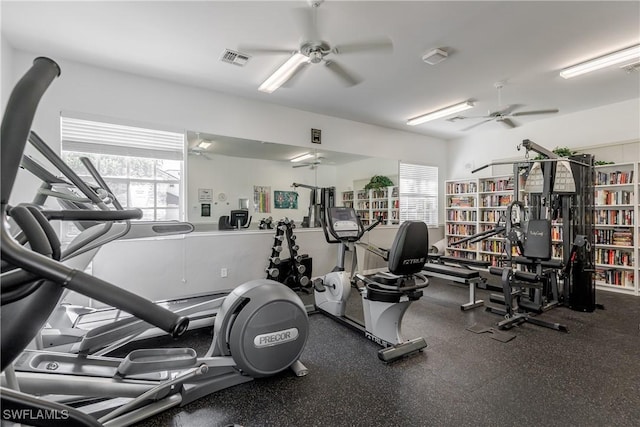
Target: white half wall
pixel 612 124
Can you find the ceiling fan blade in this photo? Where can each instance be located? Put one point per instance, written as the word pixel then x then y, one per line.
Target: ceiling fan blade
pixel 531 113
pixel 349 79
pixel 307 21
pixel 382 44
pixel 507 110
pixel 476 125
pixel 264 50
pixel 507 122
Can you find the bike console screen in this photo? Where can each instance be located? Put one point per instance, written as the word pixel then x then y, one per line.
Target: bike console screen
pixel 343 222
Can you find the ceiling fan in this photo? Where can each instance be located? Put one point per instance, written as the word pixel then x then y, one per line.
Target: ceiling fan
pixel 314 50
pixel 503 115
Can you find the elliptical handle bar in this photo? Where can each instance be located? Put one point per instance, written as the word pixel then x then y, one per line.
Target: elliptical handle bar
pixel 55 160
pixel 101 182
pixel 16 124
pixel 18 117
pixel 91 215
pixel 377 222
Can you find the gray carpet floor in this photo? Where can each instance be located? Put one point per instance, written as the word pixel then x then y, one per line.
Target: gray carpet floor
pixel 589 376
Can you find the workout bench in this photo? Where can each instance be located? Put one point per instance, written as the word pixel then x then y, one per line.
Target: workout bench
pixel 462 273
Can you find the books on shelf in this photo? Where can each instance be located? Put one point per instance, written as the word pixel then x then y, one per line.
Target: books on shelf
pixel 614 277
pixel 614 177
pixel 461 202
pixel 608 197
pixel 618 257
pixel 461 187
pixel 614 217
pixel 613 236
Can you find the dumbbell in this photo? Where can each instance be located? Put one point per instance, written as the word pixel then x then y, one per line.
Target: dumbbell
pixel 274 260
pixel 277 248
pixel 273 272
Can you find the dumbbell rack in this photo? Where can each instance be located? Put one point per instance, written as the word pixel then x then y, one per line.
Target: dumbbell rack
pixel 290 272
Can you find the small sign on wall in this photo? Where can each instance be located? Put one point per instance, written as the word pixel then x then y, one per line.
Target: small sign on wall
pixel 316 136
pixel 205 209
pixel 205 195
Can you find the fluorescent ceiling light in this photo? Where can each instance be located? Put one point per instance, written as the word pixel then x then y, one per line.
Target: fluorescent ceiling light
pixel 283 73
pixel 440 113
pixel 623 55
pixel 302 157
pixel 204 145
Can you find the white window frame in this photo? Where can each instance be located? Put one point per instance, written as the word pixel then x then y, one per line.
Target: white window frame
pixel 418 191
pixel 101 137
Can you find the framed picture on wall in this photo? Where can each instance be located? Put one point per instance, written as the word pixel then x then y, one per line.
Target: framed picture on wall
pixel 285 200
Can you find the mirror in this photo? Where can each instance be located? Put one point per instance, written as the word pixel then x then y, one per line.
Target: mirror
pixel 230 173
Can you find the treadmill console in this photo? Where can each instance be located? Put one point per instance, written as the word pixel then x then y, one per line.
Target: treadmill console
pixel 343 223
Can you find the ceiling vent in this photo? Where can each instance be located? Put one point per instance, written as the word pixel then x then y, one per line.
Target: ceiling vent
pixel 434 56
pixel 235 58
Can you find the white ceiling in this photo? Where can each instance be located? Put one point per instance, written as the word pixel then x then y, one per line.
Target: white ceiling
pixel 524 43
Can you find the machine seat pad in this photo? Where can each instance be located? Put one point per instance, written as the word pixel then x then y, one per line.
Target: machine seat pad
pixel 376 293
pixel 451 271
pixel 465 261
pixel 496 271
pixel 552 263
pixel 526 276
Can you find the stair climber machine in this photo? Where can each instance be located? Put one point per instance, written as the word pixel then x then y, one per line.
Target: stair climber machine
pixel 385 297
pixel 260 330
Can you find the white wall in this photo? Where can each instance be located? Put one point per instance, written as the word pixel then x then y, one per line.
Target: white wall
pixel 135 99
pixel 606 125
pixel 6 72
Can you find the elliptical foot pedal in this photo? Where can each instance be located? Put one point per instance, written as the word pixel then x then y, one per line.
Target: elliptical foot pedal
pixel 398 351
pixel 319 286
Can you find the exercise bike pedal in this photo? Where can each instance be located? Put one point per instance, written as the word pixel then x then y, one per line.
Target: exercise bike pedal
pixel 319 286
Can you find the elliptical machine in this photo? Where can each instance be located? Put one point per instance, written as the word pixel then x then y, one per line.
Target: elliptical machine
pixel 385 297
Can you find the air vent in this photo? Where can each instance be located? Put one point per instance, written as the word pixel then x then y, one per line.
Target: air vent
pixel 235 58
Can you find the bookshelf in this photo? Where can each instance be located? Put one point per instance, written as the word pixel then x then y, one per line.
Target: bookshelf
pixel 461 216
pixel 616 227
pixel 474 205
pixel 370 204
pixel 494 194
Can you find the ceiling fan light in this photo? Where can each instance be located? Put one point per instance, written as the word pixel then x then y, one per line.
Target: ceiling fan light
pixel 204 145
pixel 283 73
pixel 302 157
pixel 613 58
pixel 440 113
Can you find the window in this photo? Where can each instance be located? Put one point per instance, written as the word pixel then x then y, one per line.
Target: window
pixel 143 167
pixel 419 193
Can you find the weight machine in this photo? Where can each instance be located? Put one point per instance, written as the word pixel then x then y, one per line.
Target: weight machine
pixel 320 199
pixel 548 192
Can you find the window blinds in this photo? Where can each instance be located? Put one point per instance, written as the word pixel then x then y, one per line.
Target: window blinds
pixel 419 193
pixel 106 138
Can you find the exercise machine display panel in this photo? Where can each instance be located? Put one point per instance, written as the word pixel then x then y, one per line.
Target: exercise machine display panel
pixel 343 222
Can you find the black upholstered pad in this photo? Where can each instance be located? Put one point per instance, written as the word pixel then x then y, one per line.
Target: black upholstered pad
pixel 465 261
pixel 461 273
pixel 410 248
pixel 538 241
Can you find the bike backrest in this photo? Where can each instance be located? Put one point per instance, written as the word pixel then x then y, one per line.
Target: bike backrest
pixel 410 249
